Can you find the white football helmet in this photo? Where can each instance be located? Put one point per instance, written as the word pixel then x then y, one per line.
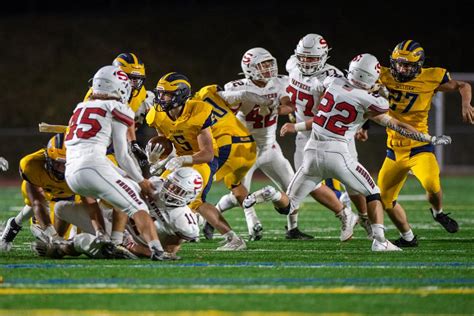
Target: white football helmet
pixel 311 54
pixel 112 81
pixel 258 64
pixel 181 187
pixel 364 71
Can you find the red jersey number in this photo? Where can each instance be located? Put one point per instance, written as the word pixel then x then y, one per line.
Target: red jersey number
pixel 330 122
pixel 302 96
pixel 87 120
pixel 258 120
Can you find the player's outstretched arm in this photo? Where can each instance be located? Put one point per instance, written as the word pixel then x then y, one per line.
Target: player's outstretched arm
pixel 409 131
pixel 465 90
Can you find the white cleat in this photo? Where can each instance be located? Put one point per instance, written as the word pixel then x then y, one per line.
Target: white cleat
pixel 348 221
pixel 384 246
pixel 265 194
pixel 257 232
pixel 234 244
pixel 8 235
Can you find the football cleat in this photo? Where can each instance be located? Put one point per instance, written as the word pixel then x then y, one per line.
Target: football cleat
pixel 265 194
pixel 208 231
pixel 402 243
pixel 233 244
pixel 447 222
pixel 384 246
pixel 9 233
pixel 111 251
pixel 348 221
pixel 295 233
pixel 257 232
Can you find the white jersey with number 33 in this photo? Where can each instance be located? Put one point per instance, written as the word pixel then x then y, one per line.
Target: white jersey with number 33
pixel 342 109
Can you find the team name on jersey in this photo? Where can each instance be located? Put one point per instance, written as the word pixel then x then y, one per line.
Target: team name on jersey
pixel 300 85
pixel 403 87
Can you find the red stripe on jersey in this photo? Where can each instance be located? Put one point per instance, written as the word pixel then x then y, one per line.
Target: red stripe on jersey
pixel 377 109
pixel 119 116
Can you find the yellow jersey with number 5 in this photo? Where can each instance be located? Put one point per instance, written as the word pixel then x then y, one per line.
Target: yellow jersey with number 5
pixel 196 116
pixel 410 101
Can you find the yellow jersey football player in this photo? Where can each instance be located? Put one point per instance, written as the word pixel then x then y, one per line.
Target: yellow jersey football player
pixel 237 152
pixel 140 100
pixel 43 184
pixel 411 88
pixel 187 123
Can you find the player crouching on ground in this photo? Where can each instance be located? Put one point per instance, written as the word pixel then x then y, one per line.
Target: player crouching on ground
pixel 174 221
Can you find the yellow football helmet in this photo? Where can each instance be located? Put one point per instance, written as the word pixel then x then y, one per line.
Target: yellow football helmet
pixel 55 155
pixel 406 60
pixel 172 90
pixel 133 67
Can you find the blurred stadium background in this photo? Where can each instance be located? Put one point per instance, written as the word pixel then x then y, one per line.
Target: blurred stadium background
pixel 50 49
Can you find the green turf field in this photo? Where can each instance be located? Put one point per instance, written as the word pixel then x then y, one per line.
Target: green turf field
pixel 322 276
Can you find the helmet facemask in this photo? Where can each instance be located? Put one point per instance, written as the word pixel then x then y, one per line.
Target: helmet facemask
pixel 55 156
pixel 172 91
pixel 259 65
pixel 311 54
pixel 406 61
pixel 403 70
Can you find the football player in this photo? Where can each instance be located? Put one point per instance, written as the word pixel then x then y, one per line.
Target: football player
pixel 3 164
pixel 140 101
pixel 306 69
pixel 236 147
pixel 411 89
pixel 174 221
pixel 43 184
pixel 187 123
pixel 261 77
pixel 327 153
pixel 94 125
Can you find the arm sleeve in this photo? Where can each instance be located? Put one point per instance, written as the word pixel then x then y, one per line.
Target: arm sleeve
pixel 125 161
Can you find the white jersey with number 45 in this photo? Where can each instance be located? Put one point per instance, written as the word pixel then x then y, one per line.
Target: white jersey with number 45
pixel 342 109
pixel 263 128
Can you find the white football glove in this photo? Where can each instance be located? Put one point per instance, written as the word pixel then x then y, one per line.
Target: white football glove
pixel 3 164
pixel 441 140
pixel 178 162
pixel 381 90
pixel 155 153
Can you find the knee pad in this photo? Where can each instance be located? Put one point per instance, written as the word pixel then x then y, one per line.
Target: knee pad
pixel 373 197
pixel 284 210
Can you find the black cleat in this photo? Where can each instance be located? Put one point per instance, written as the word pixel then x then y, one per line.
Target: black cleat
pixel 402 243
pixel 295 233
pixel 208 231
pixel 447 222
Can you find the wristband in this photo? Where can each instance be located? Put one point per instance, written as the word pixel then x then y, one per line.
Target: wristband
pixel 301 126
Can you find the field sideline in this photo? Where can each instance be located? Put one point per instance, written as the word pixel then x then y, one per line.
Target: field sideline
pixel 277 276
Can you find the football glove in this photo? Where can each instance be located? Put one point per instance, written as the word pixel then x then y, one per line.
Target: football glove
pixel 178 162
pixel 155 153
pixel 139 153
pixel 441 140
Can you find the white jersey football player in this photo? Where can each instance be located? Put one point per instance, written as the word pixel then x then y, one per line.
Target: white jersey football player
pixel 94 125
pixel 261 77
pixel 173 219
pixel 3 164
pixel 307 69
pixel 345 106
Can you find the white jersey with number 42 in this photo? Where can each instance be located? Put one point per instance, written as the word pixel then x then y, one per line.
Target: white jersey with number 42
pixel 262 128
pixel 342 109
